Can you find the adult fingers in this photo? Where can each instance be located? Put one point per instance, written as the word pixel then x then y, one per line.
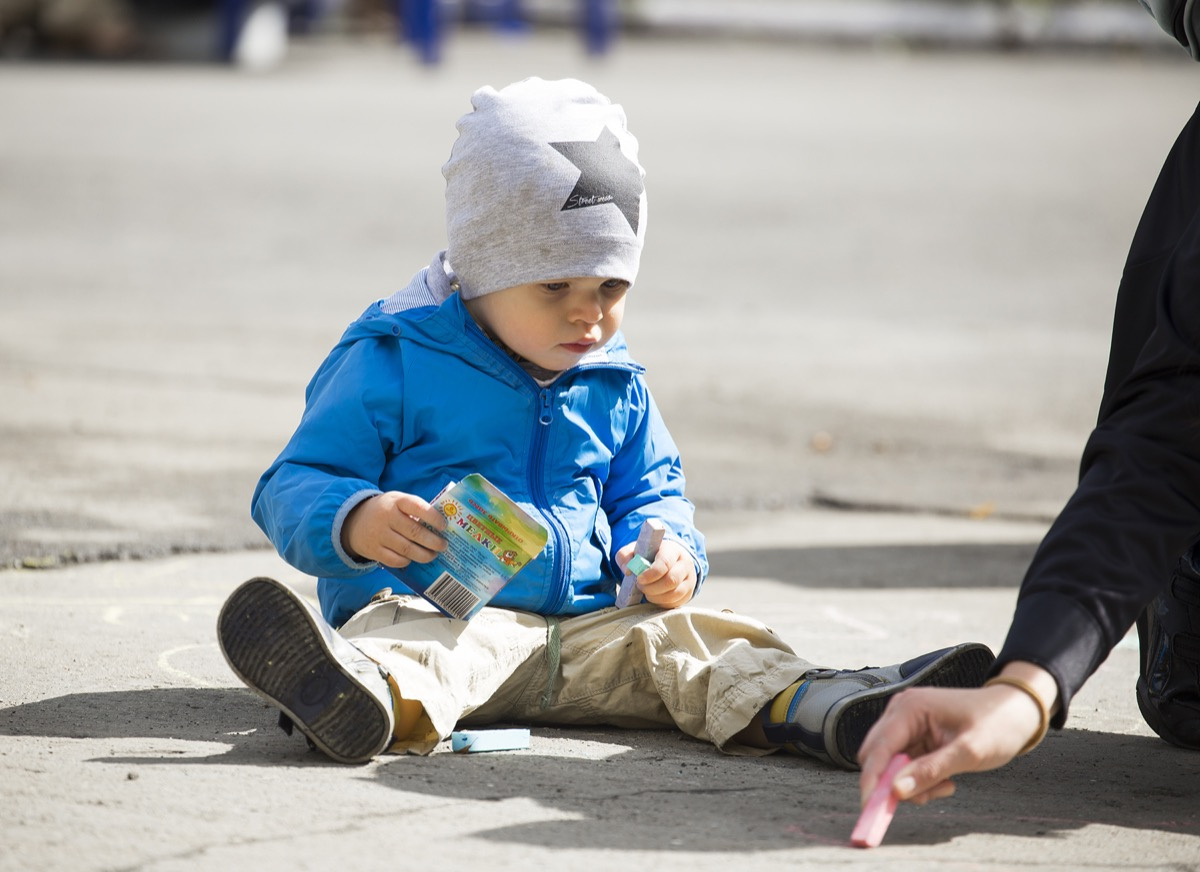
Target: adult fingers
pixel 972 730
pixel 928 777
pixel 902 727
pixel 938 791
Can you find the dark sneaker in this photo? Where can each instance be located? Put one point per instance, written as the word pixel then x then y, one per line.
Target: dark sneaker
pixel 1168 690
pixel 284 650
pixel 828 713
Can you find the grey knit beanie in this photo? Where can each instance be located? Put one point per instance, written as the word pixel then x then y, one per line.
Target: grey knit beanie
pixel 543 183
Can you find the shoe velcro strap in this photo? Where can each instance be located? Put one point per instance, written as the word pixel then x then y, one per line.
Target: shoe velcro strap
pixel 1186 590
pixel 1186 646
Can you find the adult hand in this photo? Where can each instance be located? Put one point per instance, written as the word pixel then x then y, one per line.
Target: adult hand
pixel 671 579
pixel 950 731
pixel 388 529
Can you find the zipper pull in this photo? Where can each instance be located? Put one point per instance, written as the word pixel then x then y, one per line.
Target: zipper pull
pixel 545 415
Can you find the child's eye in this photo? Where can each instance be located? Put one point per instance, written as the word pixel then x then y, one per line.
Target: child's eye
pixel 555 286
pixel 616 285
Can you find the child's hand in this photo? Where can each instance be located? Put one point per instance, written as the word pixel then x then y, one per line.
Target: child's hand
pixel 671 579
pixel 385 529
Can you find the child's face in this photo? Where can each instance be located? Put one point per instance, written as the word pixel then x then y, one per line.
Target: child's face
pixel 554 323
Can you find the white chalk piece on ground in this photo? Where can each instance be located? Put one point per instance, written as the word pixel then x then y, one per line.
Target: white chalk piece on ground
pixel 475 741
pixel 881 806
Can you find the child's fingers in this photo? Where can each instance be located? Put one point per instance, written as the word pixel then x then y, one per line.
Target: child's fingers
pixel 421 539
pixel 656 572
pixel 397 550
pixel 671 598
pixel 413 552
pixel 667 585
pixel 669 580
pixel 407 524
pixel 394 559
pixel 660 577
pixel 416 508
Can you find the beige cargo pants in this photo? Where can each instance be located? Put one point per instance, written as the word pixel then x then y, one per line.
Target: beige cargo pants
pixel 706 672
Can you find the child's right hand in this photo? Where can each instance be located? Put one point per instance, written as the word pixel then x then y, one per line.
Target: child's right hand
pixel 670 582
pixel 385 528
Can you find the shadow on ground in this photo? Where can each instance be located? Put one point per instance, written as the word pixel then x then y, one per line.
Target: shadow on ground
pixel 232 716
pixel 659 790
pixel 667 792
pixel 881 566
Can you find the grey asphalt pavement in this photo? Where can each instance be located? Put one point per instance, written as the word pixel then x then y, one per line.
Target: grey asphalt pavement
pixel 874 306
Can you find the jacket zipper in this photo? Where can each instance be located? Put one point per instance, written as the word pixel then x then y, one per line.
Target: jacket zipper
pixel 561 584
pixel 557 595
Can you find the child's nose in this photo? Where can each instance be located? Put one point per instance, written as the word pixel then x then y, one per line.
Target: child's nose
pixel 589 310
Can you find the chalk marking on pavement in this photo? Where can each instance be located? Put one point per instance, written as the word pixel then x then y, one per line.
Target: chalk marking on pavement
pixel 164 664
pixel 112 614
pixel 870 631
pixel 944 617
pixel 54 602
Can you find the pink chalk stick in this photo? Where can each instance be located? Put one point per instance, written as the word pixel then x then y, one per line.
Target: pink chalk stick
pixel 877 813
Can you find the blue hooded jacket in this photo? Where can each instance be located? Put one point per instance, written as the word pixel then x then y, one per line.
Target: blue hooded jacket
pixel 411 401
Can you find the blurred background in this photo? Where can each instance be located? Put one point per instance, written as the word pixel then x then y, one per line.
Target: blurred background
pixel 256 33
pixel 884 240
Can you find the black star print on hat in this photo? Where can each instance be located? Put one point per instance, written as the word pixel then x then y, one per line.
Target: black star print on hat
pixel 606 175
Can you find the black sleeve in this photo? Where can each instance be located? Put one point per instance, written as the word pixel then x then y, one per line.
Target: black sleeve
pixel 1137 506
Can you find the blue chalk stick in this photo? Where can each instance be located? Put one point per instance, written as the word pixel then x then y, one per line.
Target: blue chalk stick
pixel 475 741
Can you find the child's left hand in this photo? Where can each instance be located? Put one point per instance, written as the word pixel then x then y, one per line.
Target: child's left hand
pixel 671 579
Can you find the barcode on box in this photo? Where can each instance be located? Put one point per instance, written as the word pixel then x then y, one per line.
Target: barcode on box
pixel 449 595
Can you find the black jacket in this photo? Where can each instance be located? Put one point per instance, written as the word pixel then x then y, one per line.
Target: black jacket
pixel 1137 506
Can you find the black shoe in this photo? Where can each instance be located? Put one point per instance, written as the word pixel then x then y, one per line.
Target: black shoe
pixel 283 650
pixel 1168 690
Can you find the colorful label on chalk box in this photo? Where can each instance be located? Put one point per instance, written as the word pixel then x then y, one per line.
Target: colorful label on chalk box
pixel 489 539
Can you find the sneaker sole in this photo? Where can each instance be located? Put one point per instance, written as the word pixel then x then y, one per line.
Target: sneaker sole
pixel 963 666
pixel 270 641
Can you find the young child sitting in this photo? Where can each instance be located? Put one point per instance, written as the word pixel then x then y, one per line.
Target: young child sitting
pixel 505 357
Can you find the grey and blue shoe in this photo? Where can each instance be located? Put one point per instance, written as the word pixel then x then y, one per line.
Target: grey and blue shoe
pixel 828 713
pixel 285 651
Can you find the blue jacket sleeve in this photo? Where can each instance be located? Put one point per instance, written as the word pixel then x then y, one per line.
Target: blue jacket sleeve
pixel 334 460
pixel 646 481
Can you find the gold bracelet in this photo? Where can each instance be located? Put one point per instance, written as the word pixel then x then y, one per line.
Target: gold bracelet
pixel 1043 709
